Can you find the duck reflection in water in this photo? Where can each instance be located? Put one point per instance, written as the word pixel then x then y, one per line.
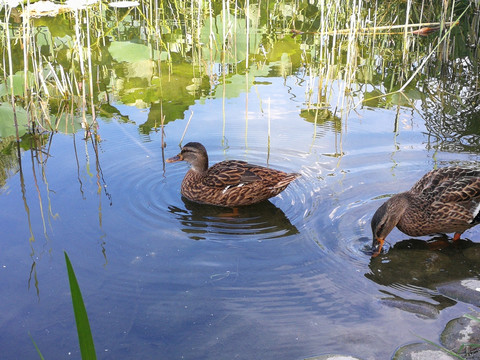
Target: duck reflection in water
pixel 260 221
pixel 446 200
pixel 424 267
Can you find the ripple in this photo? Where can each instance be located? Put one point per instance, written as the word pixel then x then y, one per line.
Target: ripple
pixel 152 197
pixel 356 190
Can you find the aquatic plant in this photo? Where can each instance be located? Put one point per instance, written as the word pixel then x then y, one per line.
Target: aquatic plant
pixel 85 339
pixel 64 62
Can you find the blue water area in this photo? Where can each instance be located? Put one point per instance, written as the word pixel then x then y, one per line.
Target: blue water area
pixel 166 278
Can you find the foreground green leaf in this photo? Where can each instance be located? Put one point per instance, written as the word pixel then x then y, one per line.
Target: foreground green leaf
pixel 85 339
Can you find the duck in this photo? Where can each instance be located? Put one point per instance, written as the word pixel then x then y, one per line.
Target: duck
pixel 229 183
pixel 443 201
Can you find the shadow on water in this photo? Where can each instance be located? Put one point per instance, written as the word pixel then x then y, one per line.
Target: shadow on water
pixel 422 268
pixel 261 221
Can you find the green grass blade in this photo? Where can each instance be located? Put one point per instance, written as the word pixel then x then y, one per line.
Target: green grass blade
pixel 443 349
pixel 36 347
pixel 85 339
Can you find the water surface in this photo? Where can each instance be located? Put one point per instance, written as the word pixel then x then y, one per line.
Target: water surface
pixel 285 279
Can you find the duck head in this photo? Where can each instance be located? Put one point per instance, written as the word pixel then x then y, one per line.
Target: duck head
pixel 384 220
pixel 193 153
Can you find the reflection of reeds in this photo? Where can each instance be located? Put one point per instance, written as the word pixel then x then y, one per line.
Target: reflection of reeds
pixel 342 46
pixel 10 66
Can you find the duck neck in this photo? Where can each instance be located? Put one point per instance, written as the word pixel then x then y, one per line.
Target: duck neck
pixel 200 168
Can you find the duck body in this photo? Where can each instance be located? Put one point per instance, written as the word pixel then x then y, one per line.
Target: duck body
pixel 446 200
pixel 228 183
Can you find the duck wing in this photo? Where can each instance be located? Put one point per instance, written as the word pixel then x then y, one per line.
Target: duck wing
pixel 458 200
pixel 460 190
pixel 441 180
pixel 230 173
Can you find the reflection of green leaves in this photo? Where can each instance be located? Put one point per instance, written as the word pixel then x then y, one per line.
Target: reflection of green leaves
pixel 85 339
pixel 18 84
pixel 125 51
pixel 238 84
pixel 67 124
pixel 374 98
pixel 235 30
pixel 7 124
pixel 321 116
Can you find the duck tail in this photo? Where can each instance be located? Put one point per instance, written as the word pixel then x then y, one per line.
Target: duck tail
pixel 287 180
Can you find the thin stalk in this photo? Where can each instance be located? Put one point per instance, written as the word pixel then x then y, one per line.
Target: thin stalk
pixel 26 47
pixel 89 61
pixel 82 66
pixel 10 65
pixel 247 19
pixel 186 127
pixel 39 193
pixel 405 33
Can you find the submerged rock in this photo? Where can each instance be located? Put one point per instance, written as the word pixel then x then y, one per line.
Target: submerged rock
pixel 420 308
pixel 462 335
pixel 467 290
pixel 422 351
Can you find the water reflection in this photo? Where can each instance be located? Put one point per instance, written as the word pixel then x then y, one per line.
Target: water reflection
pixel 422 308
pixel 260 221
pixel 420 267
pixel 208 299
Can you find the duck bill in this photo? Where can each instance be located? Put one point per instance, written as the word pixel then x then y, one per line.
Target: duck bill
pixel 377 246
pixel 179 157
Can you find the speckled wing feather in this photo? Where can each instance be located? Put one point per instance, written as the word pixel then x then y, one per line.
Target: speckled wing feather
pixel 438 180
pixel 230 173
pixel 464 189
pixel 453 193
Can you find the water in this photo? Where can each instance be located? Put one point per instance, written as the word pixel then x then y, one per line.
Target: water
pixel 286 279
pixel 164 277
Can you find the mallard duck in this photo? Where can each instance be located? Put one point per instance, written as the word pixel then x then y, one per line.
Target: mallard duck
pixel 229 183
pixel 446 200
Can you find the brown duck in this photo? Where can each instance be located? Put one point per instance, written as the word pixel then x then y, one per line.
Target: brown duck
pixel 446 200
pixel 228 183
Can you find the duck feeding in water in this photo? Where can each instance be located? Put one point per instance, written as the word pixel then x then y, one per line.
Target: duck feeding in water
pixel 446 200
pixel 229 183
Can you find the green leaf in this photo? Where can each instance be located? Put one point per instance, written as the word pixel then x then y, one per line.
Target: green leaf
pixel 18 84
pixel 7 124
pixel 85 339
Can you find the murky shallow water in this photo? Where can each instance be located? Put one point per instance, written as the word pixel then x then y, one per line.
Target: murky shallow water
pixel 165 278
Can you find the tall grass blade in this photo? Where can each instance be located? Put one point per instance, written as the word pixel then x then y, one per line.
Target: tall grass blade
pixel 36 347
pixel 449 352
pixel 85 339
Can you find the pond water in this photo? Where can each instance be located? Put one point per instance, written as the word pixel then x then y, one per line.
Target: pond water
pixel 290 278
